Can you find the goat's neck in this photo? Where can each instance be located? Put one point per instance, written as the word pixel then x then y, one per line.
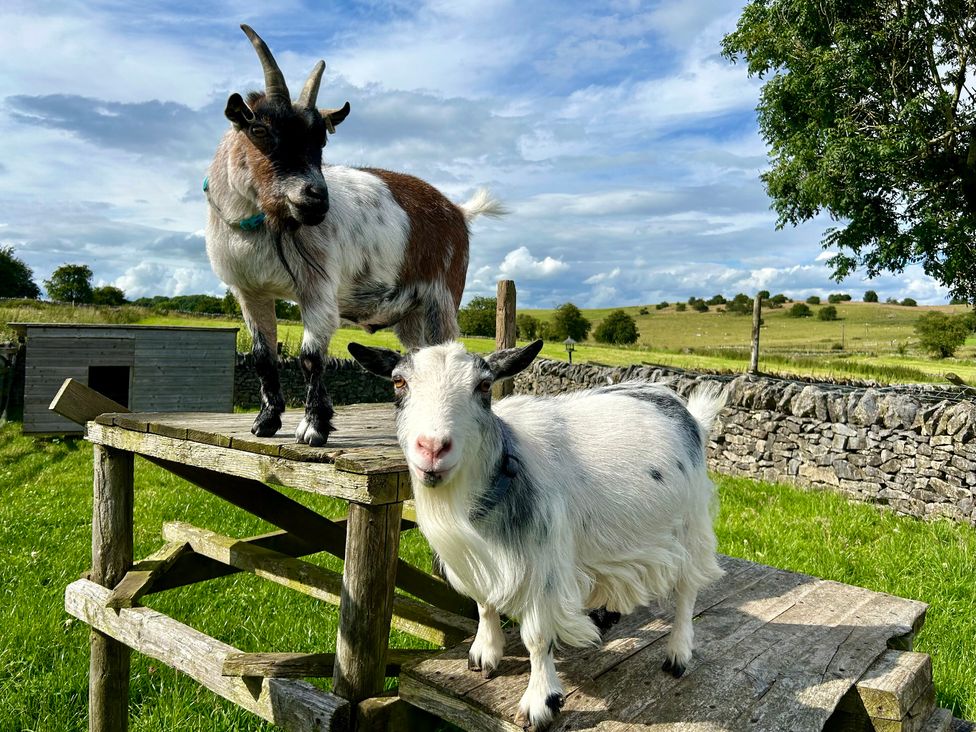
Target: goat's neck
pixel 232 191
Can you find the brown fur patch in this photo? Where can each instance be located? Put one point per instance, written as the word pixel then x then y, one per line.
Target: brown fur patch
pixel 437 227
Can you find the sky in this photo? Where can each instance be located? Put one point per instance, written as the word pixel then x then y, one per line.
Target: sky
pixel 624 146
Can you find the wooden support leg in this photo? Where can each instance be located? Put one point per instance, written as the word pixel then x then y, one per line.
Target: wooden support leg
pixel 366 606
pixel 108 682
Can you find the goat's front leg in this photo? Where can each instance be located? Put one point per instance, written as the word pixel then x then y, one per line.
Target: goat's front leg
pixel 489 642
pixel 259 315
pixel 320 318
pixel 543 698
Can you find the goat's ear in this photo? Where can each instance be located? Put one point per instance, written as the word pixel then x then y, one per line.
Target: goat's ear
pixel 333 117
pixel 379 361
pixel 507 363
pixel 238 112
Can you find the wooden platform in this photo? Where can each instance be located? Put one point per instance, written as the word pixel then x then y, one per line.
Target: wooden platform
pixel 775 651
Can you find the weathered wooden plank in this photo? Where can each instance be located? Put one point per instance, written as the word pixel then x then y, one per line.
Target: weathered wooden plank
pixel 319 478
pixel 505 331
pixel 890 687
pixel 369 569
pixel 423 621
pixel 308 665
pixel 291 704
pixel 139 580
pixel 79 403
pixel 112 529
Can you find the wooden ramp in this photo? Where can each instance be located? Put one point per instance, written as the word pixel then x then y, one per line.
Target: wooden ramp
pixel 775 651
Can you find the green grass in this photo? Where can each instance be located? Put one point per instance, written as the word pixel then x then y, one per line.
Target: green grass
pixel 45 544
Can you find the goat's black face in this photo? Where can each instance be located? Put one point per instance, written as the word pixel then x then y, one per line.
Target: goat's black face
pixel 285 156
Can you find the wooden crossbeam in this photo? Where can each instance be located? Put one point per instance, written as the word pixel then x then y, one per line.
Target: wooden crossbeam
pixel 289 703
pixel 423 621
pixel 140 579
pixel 308 665
pixel 80 403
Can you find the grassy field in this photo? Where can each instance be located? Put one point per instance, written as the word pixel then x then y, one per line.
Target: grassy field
pixel 45 544
pixel 870 341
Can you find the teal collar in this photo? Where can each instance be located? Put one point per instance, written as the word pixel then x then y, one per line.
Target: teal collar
pixel 251 223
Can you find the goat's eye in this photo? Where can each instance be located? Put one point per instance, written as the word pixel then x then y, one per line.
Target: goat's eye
pixel 259 131
pixel 399 382
pixel 485 386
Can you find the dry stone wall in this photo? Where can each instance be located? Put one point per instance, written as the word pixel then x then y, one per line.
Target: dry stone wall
pixel 902 448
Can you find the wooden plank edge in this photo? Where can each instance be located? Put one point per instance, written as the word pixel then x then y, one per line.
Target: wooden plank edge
pixel 292 704
pixel 460 712
pixel 308 665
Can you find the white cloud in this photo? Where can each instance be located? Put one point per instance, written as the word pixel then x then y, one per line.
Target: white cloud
pixel 150 278
pixel 520 264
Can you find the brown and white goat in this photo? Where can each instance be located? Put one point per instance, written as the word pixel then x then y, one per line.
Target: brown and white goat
pixel 372 246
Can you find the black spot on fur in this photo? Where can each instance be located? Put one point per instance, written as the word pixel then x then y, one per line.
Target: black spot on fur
pixel 682 468
pixel 670 406
pixel 604 619
pixel 268 421
pixel 656 474
pixel 555 702
pixel 509 505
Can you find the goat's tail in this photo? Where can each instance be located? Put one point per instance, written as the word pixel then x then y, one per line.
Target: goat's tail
pixel 705 402
pixel 482 203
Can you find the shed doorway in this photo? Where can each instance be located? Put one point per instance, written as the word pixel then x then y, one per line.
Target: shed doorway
pixel 110 381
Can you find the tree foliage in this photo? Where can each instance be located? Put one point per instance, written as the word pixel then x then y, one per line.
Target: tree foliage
pixel 568 322
pixel 869 116
pixel 941 334
pixel 185 303
pixel 617 328
pixel 16 278
pixel 741 304
pixel 108 295
pixel 527 327
pixel 799 310
pixel 70 283
pixel 477 318
pixel 870 296
pixel 828 312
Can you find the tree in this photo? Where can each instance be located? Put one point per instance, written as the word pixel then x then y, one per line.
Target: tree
pixel 527 327
pixel 941 334
pixel 715 300
pixel 617 328
pixel 16 278
pixel 763 295
pixel 828 312
pixel 568 322
pixel 870 296
pixel 477 318
pixel 680 307
pixel 908 302
pixel 662 305
pixel 229 305
pixel 70 283
pixel 799 310
pixel 741 304
pixel 869 115
pixel 813 300
pixel 777 301
pixel 108 295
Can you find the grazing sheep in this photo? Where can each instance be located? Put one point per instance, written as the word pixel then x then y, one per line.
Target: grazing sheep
pixel 378 248
pixel 545 508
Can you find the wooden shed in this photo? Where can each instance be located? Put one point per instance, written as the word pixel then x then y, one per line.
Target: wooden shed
pixel 145 367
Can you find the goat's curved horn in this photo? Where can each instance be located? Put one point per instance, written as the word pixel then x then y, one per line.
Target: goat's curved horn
pixel 311 90
pixel 274 81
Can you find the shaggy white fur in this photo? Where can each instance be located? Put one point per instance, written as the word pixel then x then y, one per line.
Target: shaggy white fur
pixel 543 508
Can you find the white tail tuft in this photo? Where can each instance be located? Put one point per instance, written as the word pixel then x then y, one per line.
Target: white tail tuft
pixel 705 402
pixel 482 203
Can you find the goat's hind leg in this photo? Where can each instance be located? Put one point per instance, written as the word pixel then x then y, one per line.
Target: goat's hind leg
pixel 489 643
pixel 682 640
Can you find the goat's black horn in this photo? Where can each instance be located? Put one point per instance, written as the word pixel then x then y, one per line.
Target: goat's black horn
pixel 274 81
pixel 311 90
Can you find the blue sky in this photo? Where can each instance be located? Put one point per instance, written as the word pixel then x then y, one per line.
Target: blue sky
pixel 625 147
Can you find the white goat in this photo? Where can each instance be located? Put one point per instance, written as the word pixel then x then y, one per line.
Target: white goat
pixel 375 247
pixel 543 508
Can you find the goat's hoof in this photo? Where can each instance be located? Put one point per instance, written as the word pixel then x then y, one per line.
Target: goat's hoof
pixel 266 424
pixel 539 717
pixel 313 434
pixel 486 668
pixel 673 667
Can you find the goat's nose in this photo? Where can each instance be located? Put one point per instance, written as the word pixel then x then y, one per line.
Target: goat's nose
pixel 317 191
pixel 433 448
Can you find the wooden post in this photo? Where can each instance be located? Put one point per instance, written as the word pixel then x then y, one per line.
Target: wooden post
pixel 504 330
pixel 366 603
pixel 108 681
pixel 756 321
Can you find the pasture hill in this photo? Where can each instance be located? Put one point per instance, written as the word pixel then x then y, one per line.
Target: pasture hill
pixel 873 341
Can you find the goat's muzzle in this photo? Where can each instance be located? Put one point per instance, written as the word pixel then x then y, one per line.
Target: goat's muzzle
pixel 312 205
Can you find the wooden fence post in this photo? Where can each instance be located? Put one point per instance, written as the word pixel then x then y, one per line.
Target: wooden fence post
pixel 108 681
pixel 756 322
pixel 504 330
